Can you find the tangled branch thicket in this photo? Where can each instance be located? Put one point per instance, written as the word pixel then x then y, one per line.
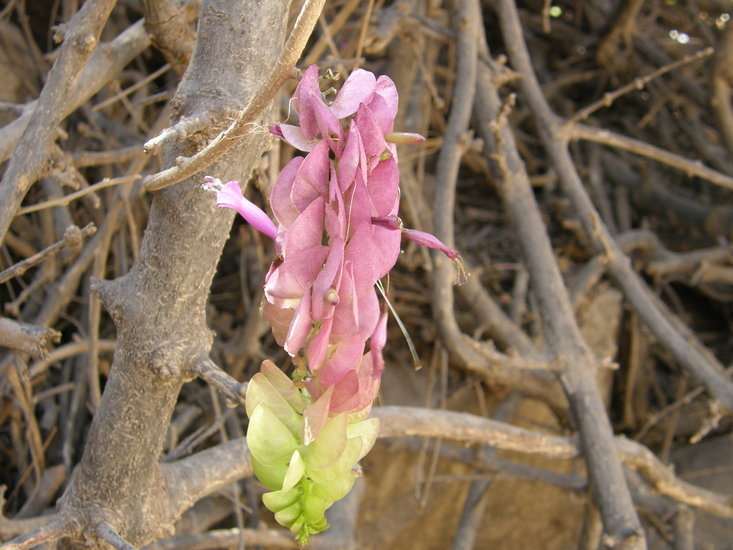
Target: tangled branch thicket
pixel 573 393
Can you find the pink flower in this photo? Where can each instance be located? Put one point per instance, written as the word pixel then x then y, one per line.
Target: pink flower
pixel 230 196
pixel 337 234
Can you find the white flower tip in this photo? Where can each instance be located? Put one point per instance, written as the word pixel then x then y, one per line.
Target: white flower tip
pixel 212 185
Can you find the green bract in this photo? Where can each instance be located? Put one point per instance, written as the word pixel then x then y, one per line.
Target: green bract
pixel 304 479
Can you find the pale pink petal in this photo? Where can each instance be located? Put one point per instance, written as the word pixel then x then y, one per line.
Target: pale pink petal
pixel 357 390
pixel 294 136
pixel 307 229
pixel 383 185
pixel 430 241
pixel 372 135
pixel 388 243
pixel 368 304
pixel 357 89
pixel 345 357
pixel 279 319
pixel 335 222
pixel 280 202
pixel 318 346
pixel 384 103
pixel 327 282
pixel 403 138
pixel 300 327
pixel 311 179
pixel 359 207
pixel 295 275
pixel 352 159
pixel 377 343
pixel 373 250
pixel 344 321
pixel 306 93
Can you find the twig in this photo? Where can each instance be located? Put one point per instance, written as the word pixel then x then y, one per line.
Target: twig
pixel 364 28
pixel 625 143
pixel 227 538
pixel 72 238
pixel 109 534
pixel 538 384
pixel 210 372
pixel 721 78
pixel 64 352
pixel 95 158
pixel 178 132
pixel 127 91
pixel 468 428
pixel 685 348
pixel 201 474
pixel 82 38
pixel 621 523
pixel 499 325
pixel 282 71
pixel 636 84
pixel 66 199
pixel 48 533
pixel 29 339
pixel 170 32
pixel 109 59
pixel 684 529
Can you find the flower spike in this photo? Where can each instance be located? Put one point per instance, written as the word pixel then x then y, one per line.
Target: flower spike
pixel 337 235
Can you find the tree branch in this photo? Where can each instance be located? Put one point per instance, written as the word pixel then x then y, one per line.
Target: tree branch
pixel 282 71
pixel 688 352
pixel 82 38
pixel 621 523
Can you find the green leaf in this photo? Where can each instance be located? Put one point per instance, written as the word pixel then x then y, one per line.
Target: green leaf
pixel 315 416
pixel 260 391
pixel 367 431
pixel 296 470
pixel 314 508
pixel 342 467
pixel 270 441
pixel 335 489
pixel 328 446
pixel 287 516
pixel 283 385
pixel 279 500
pixel 270 476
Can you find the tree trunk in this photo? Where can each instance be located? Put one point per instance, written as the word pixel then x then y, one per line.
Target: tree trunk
pixel 159 307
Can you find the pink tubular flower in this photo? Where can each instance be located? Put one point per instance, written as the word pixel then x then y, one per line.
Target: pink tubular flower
pixel 230 196
pixel 337 234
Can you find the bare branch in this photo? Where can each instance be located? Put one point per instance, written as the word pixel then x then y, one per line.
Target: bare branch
pixel 72 238
pixel 52 531
pixel 538 384
pixel 621 523
pixel 685 348
pixel 82 38
pixel 170 32
pixel 282 71
pixel 227 538
pixel 209 371
pixel 30 339
pixel 625 143
pixel 467 428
